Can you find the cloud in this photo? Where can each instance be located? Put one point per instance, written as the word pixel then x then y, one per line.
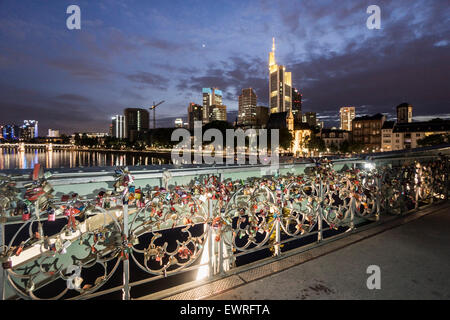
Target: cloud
pixel 150 79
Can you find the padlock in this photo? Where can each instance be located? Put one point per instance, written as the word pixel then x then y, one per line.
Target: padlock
pixel 6 263
pixel 25 214
pixel 51 214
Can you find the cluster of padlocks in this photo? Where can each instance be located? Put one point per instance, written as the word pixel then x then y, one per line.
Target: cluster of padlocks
pixel 169 225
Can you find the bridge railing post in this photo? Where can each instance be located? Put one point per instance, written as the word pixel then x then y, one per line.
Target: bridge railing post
pixel 211 260
pixel 320 215
pixel 126 261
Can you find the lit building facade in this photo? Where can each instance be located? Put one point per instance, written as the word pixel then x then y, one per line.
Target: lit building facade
pixel 217 113
pixel 334 136
pixel 280 85
pixel 247 108
pixel 400 136
pixel 347 114
pixel 136 122
pixel 53 133
pixel 11 132
pixel 195 113
pixel 118 127
pixel 29 130
pixel 367 130
pixel 211 97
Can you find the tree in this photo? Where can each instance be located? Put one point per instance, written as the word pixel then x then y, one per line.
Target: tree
pixel 285 138
pixel 315 143
pixel 434 139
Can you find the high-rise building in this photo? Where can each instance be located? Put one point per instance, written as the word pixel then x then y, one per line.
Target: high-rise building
pixel 118 126
pixel 211 96
pixel 310 118
pixel 29 129
pixel 296 104
pixel 217 113
pixel 11 132
pixel 404 113
pixel 347 115
pixel 136 122
pixel 247 108
pixel 280 85
pixel 195 113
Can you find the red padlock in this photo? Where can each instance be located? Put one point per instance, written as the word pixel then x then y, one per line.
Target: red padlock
pixel 52 216
pixel 25 216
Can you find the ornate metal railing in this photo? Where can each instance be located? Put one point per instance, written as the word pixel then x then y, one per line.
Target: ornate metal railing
pixel 71 247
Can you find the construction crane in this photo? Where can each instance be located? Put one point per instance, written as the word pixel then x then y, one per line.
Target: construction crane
pixel 153 107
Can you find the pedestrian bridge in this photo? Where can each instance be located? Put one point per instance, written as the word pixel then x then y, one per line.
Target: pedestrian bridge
pixel 159 232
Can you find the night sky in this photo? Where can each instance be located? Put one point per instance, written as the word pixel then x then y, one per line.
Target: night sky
pixel 131 53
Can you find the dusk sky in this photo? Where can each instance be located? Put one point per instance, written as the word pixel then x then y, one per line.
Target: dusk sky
pixel 131 53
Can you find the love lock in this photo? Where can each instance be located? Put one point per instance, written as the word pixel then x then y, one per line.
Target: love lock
pixel 74 280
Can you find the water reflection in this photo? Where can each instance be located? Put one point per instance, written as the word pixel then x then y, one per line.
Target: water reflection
pixel 12 158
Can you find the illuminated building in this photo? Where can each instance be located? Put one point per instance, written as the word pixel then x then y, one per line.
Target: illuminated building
pixel 11 132
pixel 217 113
pixel 296 104
pixel 399 136
pixel 367 130
pixel 118 127
pixel 334 136
pixel 29 130
pixel 404 113
pixel 211 97
pixel 136 123
pixel 247 108
pixel 195 113
pixel 301 134
pixel 280 85
pixel 347 114
pixel 53 133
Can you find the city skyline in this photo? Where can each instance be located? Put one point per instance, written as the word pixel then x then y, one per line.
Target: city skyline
pixel 127 58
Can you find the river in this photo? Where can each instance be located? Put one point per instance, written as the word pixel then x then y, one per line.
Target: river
pixel 12 158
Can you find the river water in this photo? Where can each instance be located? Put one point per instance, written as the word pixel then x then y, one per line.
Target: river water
pixel 11 158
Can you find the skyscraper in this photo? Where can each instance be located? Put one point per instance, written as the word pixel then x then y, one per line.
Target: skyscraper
pixel 296 104
pixel 211 96
pixel 136 122
pixel 404 113
pixel 195 113
pixel 217 113
pixel 247 108
pixel 280 85
pixel 347 115
pixel 29 130
pixel 118 126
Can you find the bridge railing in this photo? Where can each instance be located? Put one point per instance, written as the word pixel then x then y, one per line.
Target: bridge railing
pixel 84 235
